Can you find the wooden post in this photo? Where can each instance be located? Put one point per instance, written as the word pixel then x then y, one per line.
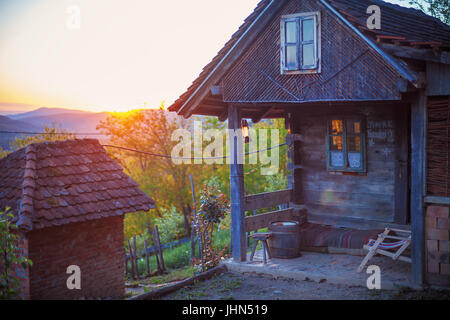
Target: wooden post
pixel 239 250
pixel 147 258
pixel 161 257
pixel 418 125
pixel 131 259
pixel 155 245
pixel 135 256
pixel 192 225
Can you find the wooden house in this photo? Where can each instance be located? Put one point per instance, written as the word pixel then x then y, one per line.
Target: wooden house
pixel 367 112
pixel 69 199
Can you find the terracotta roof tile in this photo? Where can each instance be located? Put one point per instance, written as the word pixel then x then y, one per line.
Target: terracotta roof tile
pixel 56 183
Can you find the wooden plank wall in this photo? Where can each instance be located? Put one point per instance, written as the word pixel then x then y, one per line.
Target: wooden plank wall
pixel 438 76
pixel 349 199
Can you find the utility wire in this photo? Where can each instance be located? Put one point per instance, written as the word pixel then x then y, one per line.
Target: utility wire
pixel 54 133
pixel 185 158
pixel 139 151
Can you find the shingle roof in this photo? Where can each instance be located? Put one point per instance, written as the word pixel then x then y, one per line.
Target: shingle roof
pixel 56 183
pixel 408 23
pixel 411 24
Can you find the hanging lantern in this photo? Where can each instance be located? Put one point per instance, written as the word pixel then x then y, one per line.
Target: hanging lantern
pixel 245 131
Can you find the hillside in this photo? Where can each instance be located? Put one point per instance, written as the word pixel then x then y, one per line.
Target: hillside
pixel 76 121
pixel 7 124
pixel 84 122
pixel 44 112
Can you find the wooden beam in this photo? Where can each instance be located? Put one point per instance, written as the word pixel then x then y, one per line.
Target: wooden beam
pixel 437 200
pixel 224 115
pixel 418 129
pixel 247 38
pixel 416 53
pixel 237 192
pixel 267 199
pixel 262 115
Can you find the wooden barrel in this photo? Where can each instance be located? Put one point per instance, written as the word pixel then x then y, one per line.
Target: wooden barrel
pixel 285 240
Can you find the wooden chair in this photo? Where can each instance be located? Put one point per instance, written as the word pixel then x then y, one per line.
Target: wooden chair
pixel 263 237
pixel 403 238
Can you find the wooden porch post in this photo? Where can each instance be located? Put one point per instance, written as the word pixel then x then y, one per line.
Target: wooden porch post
pixel 239 247
pixel 290 152
pixel 418 125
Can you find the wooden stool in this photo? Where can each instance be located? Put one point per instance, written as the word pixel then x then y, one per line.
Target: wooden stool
pixel 261 236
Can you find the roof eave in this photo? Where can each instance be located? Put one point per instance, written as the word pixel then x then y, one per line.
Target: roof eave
pixel 404 71
pixel 241 44
pixel 188 107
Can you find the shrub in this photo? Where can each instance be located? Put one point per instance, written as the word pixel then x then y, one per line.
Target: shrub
pixel 170 226
pixel 10 256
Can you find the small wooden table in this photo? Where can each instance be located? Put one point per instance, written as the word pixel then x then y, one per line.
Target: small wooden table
pixel 263 237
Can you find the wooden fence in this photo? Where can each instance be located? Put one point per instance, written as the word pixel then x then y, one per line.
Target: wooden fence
pixel 157 249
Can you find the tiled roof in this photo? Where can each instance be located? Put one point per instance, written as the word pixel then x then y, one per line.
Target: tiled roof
pixel 56 183
pixel 411 24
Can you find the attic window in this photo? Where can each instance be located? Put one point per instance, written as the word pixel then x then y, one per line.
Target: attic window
pixel 300 43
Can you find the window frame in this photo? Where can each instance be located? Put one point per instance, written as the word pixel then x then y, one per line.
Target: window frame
pixel 363 152
pixel 300 68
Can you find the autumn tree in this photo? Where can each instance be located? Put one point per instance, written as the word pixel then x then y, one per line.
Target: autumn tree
pixel 151 131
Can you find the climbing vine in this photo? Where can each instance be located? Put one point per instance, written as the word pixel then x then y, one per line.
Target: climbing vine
pixel 213 207
pixel 10 256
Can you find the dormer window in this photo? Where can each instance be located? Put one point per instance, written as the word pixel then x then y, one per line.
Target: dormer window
pixel 300 43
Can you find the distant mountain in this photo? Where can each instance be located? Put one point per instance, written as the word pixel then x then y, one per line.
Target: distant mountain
pixel 79 122
pixel 7 124
pixel 76 121
pixel 10 125
pixel 43 112
pixel 7 108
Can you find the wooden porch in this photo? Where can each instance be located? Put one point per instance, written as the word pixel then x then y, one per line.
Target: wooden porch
pixel 332 268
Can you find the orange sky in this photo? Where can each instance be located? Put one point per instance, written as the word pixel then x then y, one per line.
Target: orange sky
pixel 126 54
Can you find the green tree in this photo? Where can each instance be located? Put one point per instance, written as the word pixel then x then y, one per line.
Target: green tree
pixel 50 133
pixel 151 131
pixel 10 257
pixel 437 8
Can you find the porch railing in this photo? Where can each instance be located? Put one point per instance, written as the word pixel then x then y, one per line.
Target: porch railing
pixel 266 200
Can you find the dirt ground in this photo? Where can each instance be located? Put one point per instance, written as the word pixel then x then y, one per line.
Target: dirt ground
pixel 234 286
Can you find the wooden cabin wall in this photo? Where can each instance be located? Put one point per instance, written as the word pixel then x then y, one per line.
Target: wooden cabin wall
pixel 349 69
pixel 348 199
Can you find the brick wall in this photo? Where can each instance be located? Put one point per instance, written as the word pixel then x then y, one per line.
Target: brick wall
pixel 438 245
pixel 95 246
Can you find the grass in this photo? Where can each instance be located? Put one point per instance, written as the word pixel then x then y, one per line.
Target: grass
pixel 179 257
pixel 174 275
pixel 218 287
